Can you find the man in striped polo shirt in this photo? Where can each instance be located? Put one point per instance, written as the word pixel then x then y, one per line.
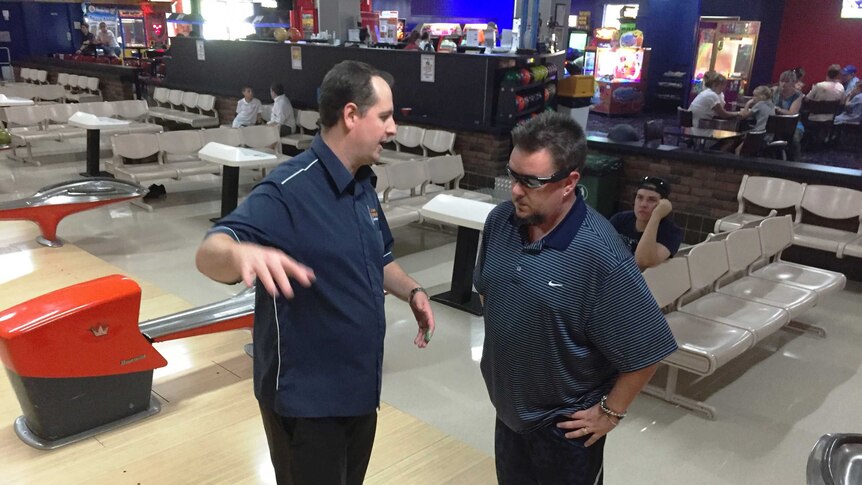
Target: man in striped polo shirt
pixel 572 333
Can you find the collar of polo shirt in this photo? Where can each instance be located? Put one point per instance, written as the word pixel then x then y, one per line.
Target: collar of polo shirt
pixel 338 173
pixel 561 236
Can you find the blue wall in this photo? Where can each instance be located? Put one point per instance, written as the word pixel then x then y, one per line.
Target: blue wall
pixel 15 26
pixel 49 28
pixel 416 11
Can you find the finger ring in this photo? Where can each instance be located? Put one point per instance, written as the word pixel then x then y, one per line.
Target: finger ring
pixel 586 430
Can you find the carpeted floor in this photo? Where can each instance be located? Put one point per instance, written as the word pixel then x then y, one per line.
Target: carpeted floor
pixel 847 152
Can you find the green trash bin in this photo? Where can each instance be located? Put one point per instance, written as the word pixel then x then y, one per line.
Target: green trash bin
pixel 599 182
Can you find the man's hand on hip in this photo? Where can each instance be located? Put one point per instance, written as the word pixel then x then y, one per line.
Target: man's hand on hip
pixel 590 421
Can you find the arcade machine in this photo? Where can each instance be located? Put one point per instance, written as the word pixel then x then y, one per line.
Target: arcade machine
pixel 727 47
pixel 444 35
pixel 80 363
pixel 620 67
pixel 304 17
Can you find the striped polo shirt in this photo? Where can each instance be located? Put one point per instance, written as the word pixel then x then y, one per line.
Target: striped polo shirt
pixel 563 316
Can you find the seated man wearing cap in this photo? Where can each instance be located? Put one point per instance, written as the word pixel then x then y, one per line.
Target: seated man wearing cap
pixel 649 234
pixel 849 80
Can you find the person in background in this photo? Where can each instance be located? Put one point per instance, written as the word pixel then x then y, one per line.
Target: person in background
pixel 760 106
pixel 853 109
pixel 787 99
pixel 247 109
pixel 799 73
pixel 849 80
pixel 282 111
pixel 572 333
pixel 107 40
pixel 425 43
pixel 89 40
pixel 646 230
pixel 412 41
pixel 829 90
pixel 709 104
pixel 312 239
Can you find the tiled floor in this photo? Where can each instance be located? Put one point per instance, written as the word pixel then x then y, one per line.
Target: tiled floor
pixel 773 402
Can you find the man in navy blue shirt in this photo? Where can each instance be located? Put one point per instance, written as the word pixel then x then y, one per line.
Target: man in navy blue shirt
pixel 318 346
pixel 646 230
pixel 572 333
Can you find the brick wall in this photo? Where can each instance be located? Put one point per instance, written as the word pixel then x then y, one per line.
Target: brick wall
pixel 484 155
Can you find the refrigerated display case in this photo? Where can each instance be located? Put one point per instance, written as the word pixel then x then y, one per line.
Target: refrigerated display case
pixel 727 47
pixel 620 79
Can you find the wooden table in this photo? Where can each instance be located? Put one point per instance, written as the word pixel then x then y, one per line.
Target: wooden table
pixel 469 216
pixel 94 124
pixel 232 159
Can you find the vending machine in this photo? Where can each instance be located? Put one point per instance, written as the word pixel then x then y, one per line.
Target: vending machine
pixel 620 70
pixel 727 47
pixel 304 17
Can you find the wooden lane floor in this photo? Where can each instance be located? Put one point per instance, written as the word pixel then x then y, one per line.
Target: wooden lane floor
pixel 208 430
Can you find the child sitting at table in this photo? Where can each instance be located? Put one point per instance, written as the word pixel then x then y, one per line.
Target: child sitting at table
pixel 760 106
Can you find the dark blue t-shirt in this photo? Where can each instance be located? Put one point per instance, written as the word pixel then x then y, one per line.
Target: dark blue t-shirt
pixel 669 234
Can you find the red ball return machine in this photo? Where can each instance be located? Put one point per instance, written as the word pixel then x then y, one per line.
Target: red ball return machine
pixel 81 364
pixel 51 204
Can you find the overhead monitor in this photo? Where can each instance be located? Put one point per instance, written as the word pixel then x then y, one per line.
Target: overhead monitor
pixel 851 9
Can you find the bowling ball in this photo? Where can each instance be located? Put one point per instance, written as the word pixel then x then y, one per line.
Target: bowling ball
pixel 280 34
pixel 526 77
pixel 5 137
pixel 294 34
pixel 535 73
pixel 547 94
pixel 552 69
pixel 512 77
pixel 520 103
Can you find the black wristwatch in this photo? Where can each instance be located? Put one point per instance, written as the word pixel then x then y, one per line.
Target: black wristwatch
pixel 413 292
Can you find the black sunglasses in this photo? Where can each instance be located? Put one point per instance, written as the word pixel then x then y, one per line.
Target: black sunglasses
pixel 533 182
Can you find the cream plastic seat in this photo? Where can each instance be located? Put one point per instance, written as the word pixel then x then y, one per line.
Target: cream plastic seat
pixel 73 82
pixel 160 97
pixel 406 136
pixel 24 72
pixel 704 345
pixel 206 115
pixel 438 141
pixel 767 192
pixel 189 103
pixel 137 146
pixel 25 125
pixel 93 86
pixel 175 99
pixel 52 92
pixel 706 263
pixel 743 249
pixel 444 174
pixel 306 123
pixel 406 180
pixel 828 202
pixel 63 79
pixel 396 215
pixel 776 234
pixel 264 138
pixel 179 151
pixel 225 136
pixel 131 109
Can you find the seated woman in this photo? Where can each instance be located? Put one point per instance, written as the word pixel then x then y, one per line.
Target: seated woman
pixel 787 99
pixel 709 104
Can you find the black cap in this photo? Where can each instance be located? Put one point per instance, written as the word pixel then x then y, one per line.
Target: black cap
pixel 655 184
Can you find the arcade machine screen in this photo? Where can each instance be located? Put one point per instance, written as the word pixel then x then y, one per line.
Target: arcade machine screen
pixel 134 33
pixel 851 9
pixel 620 65
pixel 589 63
pixel 578 40
pixel 734 58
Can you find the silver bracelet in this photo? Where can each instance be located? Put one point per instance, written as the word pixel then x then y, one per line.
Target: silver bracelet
pixel 413 293
pixel 605 409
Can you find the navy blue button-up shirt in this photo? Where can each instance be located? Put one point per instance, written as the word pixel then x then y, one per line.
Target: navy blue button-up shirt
pixel 321 353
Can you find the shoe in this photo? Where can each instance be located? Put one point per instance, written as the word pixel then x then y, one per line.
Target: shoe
pixel 156 192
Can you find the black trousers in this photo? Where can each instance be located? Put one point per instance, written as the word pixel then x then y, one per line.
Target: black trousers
pixel 319 451
pixel 546 457
pixel 284 130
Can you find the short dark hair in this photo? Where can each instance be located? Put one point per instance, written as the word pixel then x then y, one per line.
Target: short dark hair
pixel 84 24
pixel 656 184
pixel 348 82
pixel 246 86
pixel 277 88
pixel 562 136
pixel 834 71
